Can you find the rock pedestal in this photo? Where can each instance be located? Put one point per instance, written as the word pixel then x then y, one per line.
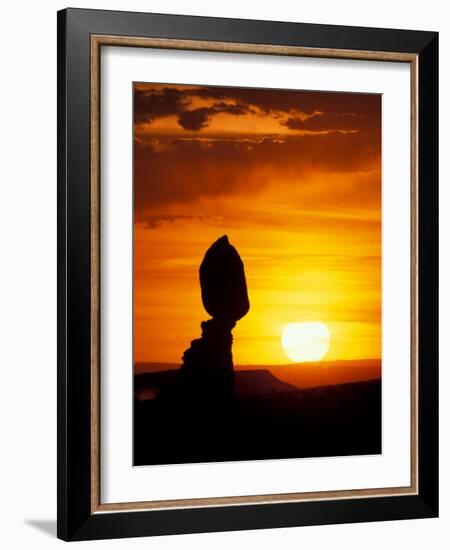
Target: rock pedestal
pixel 207 374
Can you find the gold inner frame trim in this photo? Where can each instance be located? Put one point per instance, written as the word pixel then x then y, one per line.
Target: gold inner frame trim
pixel 97 41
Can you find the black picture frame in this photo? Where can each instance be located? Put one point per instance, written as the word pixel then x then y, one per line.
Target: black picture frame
pixel 76 519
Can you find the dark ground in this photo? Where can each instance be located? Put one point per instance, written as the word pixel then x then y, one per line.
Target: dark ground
pixel 284 422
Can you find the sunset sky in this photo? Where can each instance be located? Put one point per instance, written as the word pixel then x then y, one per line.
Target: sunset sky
pixel 294 179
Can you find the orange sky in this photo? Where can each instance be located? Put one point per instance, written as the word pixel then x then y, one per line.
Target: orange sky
pixel 294 179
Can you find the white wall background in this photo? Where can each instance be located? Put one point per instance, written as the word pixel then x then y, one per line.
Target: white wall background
pixel 28 272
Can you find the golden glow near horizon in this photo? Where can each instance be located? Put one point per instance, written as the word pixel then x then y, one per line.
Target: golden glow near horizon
pixel 305 341
pixel 293 179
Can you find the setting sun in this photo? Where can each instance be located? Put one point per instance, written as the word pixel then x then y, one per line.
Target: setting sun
pixel 305 341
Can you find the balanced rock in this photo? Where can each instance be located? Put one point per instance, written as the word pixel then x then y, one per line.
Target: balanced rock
pixel 222 281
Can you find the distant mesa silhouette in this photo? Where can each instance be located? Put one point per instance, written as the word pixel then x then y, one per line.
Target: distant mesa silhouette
pixel 206 376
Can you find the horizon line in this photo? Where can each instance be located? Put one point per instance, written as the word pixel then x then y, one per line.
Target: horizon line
pixel 270 364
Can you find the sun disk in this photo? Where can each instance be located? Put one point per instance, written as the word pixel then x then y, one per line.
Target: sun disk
pixel 305 341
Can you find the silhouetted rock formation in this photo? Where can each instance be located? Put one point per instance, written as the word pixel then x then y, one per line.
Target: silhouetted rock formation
pixel 207 372
pixel 205 380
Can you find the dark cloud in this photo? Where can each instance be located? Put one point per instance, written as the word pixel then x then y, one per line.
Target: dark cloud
pixel 196 119
pixel 290 101
pixel 153 103
pixel 325 122
pixel 187 170
pixel 157 101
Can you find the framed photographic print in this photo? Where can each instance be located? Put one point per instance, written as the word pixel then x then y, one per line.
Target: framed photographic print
pixel 247 258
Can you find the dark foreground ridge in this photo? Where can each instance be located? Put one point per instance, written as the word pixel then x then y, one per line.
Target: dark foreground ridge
pixel 337 420
pixel 246 382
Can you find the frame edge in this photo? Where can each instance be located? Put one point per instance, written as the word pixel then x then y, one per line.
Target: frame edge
pixel 82 525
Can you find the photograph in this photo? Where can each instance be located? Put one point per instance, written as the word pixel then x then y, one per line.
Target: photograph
pixel 257 271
